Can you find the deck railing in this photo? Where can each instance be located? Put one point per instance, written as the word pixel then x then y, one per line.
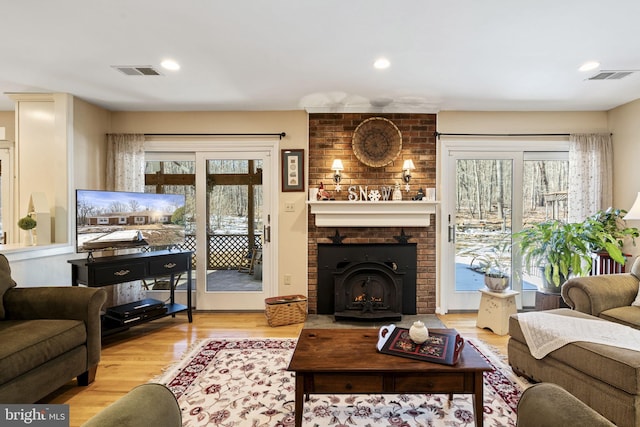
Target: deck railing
pixel 224 251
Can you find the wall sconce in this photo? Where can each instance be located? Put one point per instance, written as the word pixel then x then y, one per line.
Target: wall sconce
pixel 634 212
pixel 337 176
pixel 407 167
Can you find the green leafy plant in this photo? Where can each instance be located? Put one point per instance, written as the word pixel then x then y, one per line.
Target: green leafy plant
pixel 558 248
pixel 562 249
pixel 607 230
pixel 27 223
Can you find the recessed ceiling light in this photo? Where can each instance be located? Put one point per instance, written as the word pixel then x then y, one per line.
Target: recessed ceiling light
pixel 588 66
pixel 381 63
pixel 170 64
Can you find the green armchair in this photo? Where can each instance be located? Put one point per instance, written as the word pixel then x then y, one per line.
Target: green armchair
pixel 49 336
pixel 146 405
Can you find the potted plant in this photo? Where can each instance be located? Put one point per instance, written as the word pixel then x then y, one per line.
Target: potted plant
pixel 495 263
pixel 563 249
pixel 557 248
pixel 27 223
pixel 606 231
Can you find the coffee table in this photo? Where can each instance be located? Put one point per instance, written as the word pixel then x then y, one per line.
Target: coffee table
pixel 339 361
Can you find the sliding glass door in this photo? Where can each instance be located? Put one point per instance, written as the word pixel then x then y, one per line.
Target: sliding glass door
pixel 231 190
pixel 481 205
pixel 236 230
pixel 488 194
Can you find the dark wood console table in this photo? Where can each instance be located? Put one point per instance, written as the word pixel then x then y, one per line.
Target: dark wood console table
pixel 111 270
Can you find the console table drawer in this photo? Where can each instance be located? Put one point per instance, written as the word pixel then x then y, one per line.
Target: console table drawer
pixel 347 383
pixel 119 274
pixel 426 383
pixel 169 265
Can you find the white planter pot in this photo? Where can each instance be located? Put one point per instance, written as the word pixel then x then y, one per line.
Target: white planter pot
pixel 496 284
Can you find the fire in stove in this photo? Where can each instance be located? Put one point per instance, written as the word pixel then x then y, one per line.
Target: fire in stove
pixel 365 302
pixel 364 298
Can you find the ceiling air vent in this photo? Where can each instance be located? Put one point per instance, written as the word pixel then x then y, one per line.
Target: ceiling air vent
pixel 137 70
pixel 611 75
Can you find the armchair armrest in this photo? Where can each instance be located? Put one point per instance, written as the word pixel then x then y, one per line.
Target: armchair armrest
pixel 595 294
pixel 148 404
pixel 547 404
pixel 68 302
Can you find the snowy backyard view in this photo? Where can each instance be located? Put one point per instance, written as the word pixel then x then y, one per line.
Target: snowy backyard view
pixel 484 200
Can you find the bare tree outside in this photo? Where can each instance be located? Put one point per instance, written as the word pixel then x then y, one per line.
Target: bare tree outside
pixel 484 197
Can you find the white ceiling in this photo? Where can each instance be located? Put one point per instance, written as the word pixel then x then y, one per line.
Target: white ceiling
pixel 318 55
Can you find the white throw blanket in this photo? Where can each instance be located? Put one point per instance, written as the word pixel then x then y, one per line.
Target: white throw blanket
pixel 546 332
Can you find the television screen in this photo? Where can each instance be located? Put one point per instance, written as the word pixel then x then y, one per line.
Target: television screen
pixel 108 220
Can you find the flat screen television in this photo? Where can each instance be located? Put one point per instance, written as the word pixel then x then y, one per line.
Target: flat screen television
pixel 108 220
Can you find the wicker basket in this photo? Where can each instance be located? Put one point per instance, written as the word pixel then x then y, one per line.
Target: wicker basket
pixel 286 310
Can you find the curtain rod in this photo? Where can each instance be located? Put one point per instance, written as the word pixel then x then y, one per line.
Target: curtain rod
pixel 280 135
pixel 439 134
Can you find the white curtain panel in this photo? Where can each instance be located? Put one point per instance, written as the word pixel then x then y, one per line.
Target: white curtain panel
pixel 590 174
pixel 125 162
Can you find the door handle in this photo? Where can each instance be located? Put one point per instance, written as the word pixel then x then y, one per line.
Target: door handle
pixel 267 233
pixel 452 234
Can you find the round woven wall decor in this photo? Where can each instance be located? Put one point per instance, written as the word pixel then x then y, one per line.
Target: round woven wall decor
pixel 377 142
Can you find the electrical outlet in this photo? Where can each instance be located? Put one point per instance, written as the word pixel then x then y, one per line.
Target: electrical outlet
pixel 287 279
pixel 289 207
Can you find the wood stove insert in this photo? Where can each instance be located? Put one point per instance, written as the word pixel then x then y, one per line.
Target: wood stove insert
pixel 368 290
pixel 367 281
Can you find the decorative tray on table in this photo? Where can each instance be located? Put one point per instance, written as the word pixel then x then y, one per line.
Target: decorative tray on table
pixel 443 345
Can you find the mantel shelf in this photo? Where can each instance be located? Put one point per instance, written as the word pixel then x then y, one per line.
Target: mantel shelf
pixel 333 213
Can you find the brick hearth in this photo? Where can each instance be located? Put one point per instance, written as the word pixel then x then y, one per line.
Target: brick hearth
pixel 330 138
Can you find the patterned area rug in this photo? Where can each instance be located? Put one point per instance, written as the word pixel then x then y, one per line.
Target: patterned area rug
pixel 245 383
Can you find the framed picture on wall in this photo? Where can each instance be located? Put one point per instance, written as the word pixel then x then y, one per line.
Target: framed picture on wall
pixel 292 170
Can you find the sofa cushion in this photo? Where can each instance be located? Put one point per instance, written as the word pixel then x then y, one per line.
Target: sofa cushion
pixel 27 344
pixel 6 281
pixel 627 315
pixel 615 366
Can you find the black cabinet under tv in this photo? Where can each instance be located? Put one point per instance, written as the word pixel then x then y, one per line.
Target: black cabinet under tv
pixel 111 270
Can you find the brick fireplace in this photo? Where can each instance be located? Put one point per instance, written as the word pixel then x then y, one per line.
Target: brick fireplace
pixel 330 137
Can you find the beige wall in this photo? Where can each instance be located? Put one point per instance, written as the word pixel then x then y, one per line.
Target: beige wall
pixel 522 122
pixel 624 124
pixel 292 233
pixel 91 124
pixel 8 122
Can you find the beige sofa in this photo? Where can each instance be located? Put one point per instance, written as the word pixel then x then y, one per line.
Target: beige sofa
pixel 609 296
pixel 606 378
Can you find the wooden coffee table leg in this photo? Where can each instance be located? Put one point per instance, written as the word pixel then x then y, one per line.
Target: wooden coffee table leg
pixel 478 398
pixel 299 399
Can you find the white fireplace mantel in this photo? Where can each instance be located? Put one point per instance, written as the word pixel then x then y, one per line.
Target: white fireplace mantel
pixel 333 213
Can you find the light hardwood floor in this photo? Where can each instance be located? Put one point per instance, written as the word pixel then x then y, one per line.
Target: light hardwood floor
pixel 140 354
